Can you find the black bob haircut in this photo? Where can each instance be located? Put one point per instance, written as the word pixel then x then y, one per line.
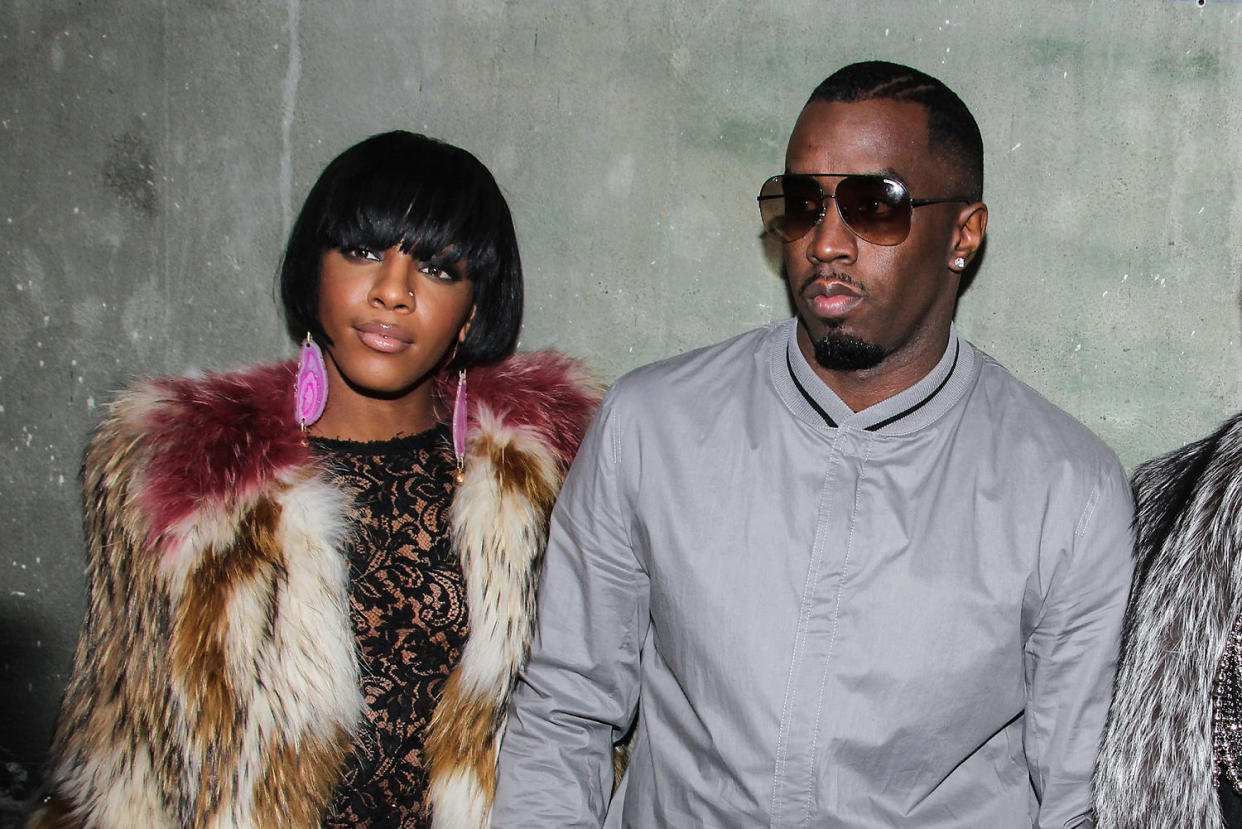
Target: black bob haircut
pixel 950 126
pixel 437 202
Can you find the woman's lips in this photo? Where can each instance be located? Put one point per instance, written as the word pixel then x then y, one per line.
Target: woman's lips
pixel 382 337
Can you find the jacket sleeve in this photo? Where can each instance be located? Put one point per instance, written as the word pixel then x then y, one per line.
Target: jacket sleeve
pixel 1071 655
pixel 579 690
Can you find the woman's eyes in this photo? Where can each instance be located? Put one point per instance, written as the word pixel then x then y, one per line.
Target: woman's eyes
pixel 362 255
pixel 438 270
pixel 442 272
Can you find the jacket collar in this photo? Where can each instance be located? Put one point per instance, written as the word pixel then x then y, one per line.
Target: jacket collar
pixel 219 438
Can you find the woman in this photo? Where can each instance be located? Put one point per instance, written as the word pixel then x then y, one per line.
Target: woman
pixel 307 612
pixel 1172 749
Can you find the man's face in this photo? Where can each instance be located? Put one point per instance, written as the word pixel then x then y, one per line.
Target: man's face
pixel 887 307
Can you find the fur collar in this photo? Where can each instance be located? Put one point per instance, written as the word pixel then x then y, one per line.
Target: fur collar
pixel 220 438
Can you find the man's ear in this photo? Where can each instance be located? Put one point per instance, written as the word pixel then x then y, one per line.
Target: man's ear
pixel 972 224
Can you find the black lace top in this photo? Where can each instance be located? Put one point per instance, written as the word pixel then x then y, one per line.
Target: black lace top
pixel 408 608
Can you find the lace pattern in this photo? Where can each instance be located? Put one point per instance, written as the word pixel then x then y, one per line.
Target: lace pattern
pixel 408 609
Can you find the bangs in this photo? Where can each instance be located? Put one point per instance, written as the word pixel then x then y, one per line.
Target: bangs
pixel 431 213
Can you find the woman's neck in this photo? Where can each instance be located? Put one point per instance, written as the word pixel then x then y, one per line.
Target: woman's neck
pixel 350 415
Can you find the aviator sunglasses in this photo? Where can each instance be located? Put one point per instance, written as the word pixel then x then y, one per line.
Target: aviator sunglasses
pixel 876 208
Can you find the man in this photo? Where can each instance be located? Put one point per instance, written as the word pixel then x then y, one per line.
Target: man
pixel 847 570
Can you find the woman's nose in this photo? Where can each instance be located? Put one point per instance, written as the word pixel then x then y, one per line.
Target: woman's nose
pixel 393 286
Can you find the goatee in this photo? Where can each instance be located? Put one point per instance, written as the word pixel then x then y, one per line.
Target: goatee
pixel 845 352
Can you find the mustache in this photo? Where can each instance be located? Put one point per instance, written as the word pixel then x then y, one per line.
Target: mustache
pixel 818 275
pixel 830 276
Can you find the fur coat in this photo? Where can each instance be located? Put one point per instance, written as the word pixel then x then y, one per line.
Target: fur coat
pixel 215 682
pixel 1155 763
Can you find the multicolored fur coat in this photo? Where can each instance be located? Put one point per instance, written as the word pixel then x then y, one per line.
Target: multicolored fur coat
pixel 1155 763
pixel 215 682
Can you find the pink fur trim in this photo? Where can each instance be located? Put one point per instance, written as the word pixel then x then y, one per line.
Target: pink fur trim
pixel 223 437
pixel 542 392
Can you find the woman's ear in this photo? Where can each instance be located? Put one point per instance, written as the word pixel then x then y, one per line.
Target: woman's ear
pixel 465 327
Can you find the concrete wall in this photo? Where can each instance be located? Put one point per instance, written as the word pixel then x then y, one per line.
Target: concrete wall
pixel 153 154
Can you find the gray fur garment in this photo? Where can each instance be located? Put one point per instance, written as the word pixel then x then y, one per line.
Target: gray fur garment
pixel 1155 763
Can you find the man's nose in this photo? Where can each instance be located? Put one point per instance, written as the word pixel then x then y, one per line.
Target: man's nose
pixel 831 238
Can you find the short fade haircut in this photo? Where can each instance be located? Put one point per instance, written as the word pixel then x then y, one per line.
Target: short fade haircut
pixel 428 197
pixel 950 126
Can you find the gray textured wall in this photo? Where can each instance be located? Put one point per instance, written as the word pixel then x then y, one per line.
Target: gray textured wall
pixel 153 155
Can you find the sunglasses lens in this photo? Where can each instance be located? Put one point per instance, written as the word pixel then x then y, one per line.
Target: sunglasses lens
pixel 790 205
pixel 874 207
pixel 877 209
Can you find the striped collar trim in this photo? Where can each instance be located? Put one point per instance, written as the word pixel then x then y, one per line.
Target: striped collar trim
pixel 903 413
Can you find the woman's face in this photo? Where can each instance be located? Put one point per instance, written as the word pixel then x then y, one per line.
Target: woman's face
pixel 392 319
